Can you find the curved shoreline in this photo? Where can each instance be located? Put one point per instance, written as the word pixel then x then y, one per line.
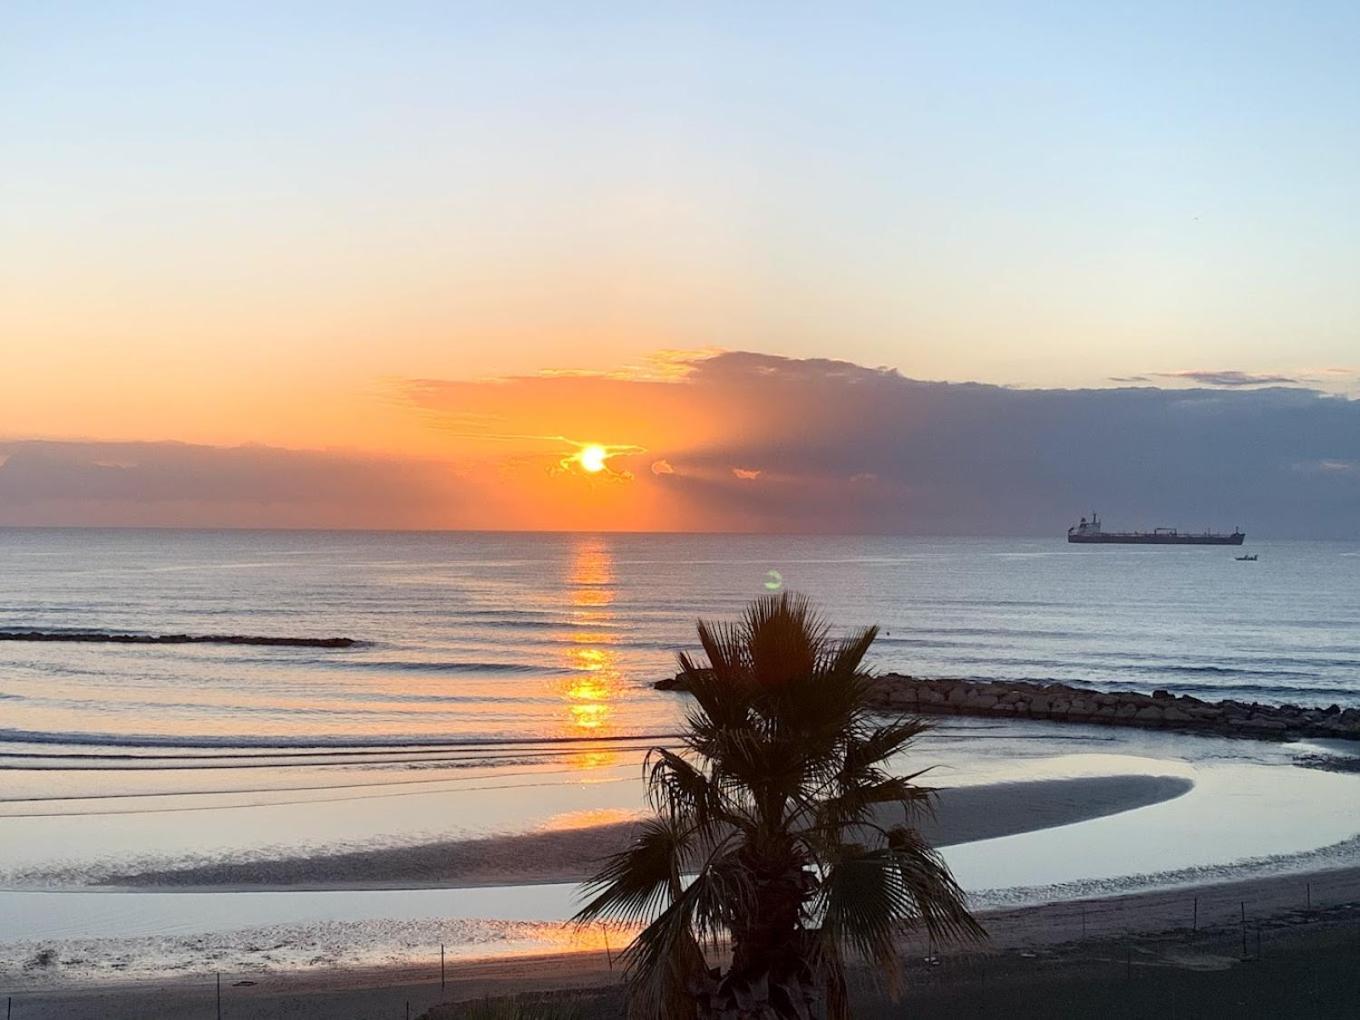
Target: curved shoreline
pixel 963 815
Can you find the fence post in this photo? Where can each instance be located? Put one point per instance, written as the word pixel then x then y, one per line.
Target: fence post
pixel 219 995
pixel 441 966
pixel 1309 895
pixel 1194 925
pixel 1244 929
pixel 1083 922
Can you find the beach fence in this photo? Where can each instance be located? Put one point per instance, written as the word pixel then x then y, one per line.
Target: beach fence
pixel 1273 947
pixel 417 981
pixel 1128 949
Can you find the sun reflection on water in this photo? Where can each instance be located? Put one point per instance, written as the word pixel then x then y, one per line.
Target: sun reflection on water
pixel 596 680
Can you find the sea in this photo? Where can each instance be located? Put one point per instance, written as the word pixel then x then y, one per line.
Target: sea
pixel 480 639
pixel 283 693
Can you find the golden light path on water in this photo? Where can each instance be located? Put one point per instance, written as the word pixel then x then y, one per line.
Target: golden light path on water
pixel 596 676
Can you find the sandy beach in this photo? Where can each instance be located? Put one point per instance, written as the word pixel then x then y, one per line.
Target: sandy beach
pixel 301 950
pixel 962 815
pixel 1188 931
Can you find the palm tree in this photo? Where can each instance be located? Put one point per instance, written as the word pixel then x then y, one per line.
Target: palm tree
pixel 780 805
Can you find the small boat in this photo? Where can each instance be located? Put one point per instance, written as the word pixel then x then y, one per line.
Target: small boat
pixel 1249 558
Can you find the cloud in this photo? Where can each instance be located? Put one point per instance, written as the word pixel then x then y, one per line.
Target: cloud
pixel 159 484
pixel 840 448
pixel 1230 377
pixel 984 459
pixel 845 447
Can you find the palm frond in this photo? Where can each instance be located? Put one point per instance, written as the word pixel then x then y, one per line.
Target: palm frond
pixel 786 800
pixel 637 883
pixel 665 962
pixel 785 636
pixel 940 902
pixel 862 803
pixel 678 790
pixel 881 743
pixel 846 657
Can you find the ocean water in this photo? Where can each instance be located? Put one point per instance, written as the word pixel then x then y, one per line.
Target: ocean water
pixel 475 640
pixel 501 683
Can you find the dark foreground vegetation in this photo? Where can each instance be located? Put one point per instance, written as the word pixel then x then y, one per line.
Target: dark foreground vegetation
pixel 782 833
pixel 1299 970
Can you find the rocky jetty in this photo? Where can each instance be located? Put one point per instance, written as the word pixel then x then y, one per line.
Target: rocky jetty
pixel 107 637
pixel 1063 703
pixel 1159 710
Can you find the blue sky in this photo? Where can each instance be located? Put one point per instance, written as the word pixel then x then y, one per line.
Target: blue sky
pixel 250 223
pixel 943 188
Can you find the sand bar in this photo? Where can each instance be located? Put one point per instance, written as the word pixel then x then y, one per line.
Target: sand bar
pixel 964 814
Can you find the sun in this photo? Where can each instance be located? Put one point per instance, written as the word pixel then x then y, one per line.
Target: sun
pixel 592 458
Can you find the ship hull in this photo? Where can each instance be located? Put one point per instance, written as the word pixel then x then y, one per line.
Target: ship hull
pixel 1136 538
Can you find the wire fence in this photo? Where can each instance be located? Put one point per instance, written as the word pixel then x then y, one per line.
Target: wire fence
pixel 1154 952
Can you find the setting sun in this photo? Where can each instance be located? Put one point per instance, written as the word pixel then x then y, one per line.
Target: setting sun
pixel 592 458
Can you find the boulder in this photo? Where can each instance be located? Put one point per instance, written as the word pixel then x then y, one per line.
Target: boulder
pixel 1261 724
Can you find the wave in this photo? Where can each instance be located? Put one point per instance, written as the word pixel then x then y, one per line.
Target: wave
pixel 459 666
pixel 1253 692
pixel 119 638
pixel 1148 667
pixel 1226 671
pixel 438 666
pixel 1237 692
pixel 539 624
pixel 314 743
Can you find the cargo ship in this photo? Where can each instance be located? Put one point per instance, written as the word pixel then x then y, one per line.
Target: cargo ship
pixel 1089 532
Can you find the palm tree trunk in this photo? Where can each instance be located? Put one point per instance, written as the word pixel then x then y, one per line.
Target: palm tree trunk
pixel 768 944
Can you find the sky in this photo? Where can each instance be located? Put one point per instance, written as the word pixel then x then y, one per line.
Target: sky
pixel 398 265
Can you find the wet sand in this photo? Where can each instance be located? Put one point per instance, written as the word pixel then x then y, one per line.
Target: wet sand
pixel 964 814
pixel 1123 948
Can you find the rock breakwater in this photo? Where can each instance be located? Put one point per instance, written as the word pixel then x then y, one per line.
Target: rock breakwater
pixel 1160 710
pixel 1015 699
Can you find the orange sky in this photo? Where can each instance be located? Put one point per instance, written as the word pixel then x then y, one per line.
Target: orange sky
pixel 392 274
pixel 730 440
